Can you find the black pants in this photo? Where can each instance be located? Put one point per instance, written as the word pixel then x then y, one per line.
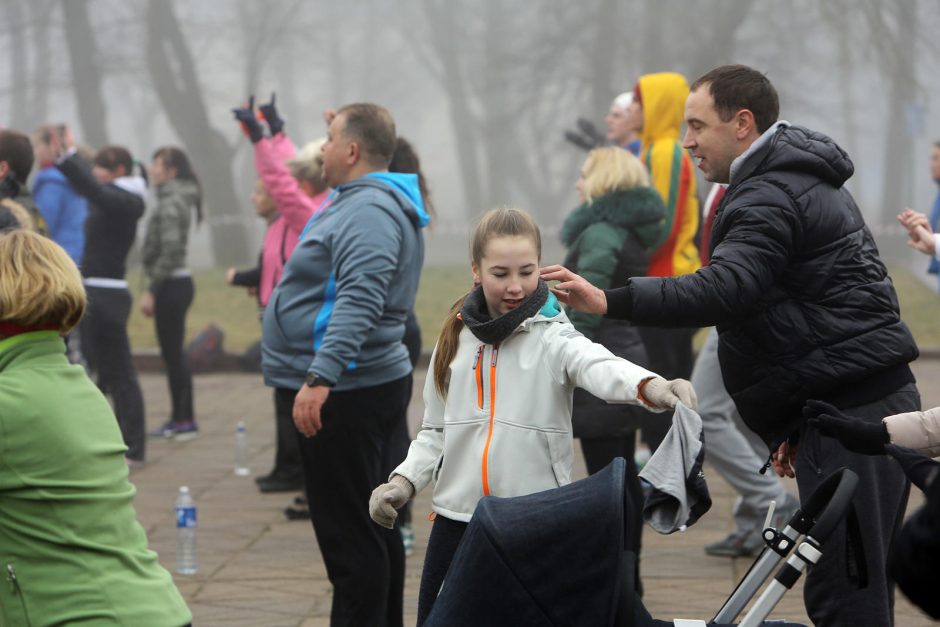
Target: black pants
pixel 342 464
pixel 171 302
pixel 831 590
pixel 670 356
pixel 105 342
pixel 287 463
pixel 442 545
pixel 598 453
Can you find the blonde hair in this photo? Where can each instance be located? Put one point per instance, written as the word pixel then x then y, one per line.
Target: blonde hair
pixel 19 213
pixel 307 165
pixel 611 169
pixel 504 222
pixel 39 282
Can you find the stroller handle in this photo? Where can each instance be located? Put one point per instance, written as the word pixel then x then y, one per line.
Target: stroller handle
pixel 826 506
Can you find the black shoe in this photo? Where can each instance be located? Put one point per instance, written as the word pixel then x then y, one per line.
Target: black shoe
pixel 262 478
pixel 297 513
pixel 281 484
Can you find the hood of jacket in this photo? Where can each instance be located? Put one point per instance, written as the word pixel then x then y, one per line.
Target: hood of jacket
pixel 786 148
pixel 133 184
pixel 405 185
pixel 640 209
pixel 188 191
pixel 663 97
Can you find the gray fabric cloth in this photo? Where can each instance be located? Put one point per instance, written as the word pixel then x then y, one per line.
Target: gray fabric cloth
pixel 679 494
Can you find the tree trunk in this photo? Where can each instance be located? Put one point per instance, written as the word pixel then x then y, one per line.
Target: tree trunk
pixel 172 69
pixel 39 106
pixel 86 73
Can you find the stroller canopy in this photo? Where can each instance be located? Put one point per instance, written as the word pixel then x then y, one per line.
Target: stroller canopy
pixel 575 533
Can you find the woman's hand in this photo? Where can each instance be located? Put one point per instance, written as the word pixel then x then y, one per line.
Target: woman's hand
pixel 784 460
pixel 146 304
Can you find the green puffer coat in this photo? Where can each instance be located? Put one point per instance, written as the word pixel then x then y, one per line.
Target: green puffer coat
pixel 71 549
pixel 608 242
pixel 168 230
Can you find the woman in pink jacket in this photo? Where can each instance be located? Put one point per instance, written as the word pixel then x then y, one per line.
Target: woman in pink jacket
pixel 289 192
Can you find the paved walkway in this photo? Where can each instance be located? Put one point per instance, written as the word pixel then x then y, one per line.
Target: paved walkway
pixel 258 569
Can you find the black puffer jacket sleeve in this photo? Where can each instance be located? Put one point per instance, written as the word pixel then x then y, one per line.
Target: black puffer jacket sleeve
pixel 107 198
pixel 762 234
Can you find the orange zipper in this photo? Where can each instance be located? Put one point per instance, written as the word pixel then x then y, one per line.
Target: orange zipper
pixel 489 435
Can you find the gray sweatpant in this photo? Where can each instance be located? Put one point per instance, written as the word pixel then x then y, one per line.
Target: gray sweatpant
pixel 737 457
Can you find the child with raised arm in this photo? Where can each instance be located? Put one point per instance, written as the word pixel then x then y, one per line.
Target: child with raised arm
pixel 498 396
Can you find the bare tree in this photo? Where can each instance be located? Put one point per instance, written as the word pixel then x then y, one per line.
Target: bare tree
pixel 87 76
pixel 172 69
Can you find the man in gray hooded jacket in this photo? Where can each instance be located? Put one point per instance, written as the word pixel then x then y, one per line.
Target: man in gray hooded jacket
pixel 332 347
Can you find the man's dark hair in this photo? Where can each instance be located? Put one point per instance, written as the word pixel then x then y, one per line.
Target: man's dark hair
pixel 736 87
pixel 17 151
pixel 373 128
pixel 110 157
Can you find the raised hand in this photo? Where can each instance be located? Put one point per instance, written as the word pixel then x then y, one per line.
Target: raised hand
pixel 249 121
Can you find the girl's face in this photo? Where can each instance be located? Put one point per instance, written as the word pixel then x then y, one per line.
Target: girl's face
pixel 159 172
pixel 508 272
pixel 264 205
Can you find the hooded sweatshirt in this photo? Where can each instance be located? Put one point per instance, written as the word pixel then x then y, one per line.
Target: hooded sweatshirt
pixel 663 96
pixel 340 308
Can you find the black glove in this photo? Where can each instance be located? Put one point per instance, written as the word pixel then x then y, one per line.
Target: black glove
pixel 920 469
pixel 249 121
pixel 275 121
pixel 586 137
pixel 855 434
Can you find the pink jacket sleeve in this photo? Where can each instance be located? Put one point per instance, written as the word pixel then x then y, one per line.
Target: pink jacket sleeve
pixel 292 203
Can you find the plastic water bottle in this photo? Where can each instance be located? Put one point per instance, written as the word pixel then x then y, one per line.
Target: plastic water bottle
pixel 241 451
pixel 185 533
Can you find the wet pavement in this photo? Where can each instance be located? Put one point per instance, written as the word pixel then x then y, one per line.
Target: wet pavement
pixel 256 568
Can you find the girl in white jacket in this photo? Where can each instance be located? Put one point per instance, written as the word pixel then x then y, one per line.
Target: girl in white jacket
pixel 497 399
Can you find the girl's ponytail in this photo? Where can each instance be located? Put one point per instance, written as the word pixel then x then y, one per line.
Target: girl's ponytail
pixel 447 345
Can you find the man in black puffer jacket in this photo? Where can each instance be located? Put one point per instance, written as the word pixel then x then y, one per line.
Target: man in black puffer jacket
pixel 804 309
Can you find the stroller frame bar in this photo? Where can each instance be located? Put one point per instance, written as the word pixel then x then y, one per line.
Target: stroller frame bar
pixel 807 553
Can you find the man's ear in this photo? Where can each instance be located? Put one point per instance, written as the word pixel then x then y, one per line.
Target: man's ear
pixel 745 124
pixel 353 153
pixel 4 169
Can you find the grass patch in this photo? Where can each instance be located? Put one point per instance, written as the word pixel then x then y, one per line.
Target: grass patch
pixel 235 312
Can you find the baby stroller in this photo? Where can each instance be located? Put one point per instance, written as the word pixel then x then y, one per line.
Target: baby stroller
pixel 561 557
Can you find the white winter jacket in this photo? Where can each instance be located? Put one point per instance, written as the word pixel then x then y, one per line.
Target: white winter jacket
pixel 505 427
pixel 919 430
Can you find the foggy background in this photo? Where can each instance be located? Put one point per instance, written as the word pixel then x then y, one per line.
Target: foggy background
pixel 484 89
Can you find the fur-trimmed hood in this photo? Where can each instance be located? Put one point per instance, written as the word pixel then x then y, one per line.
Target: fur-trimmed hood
pixel 640 209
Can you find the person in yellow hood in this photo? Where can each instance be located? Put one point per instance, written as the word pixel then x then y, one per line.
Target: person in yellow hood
pixel 659 101
pixel 658 109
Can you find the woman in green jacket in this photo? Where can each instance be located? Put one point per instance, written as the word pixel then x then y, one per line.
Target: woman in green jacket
pixel 170 291
pixel 71 549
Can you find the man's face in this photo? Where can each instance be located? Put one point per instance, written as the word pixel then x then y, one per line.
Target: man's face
pixel 336 164
pixel 711 142
pixel 618 125
pixel 935 164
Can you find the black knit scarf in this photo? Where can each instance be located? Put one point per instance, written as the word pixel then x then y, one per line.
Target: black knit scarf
pixel 489 331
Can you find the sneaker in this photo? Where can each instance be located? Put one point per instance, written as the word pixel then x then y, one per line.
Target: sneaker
pixel 737 544
pixel 184 431
pixel 408 538
pixel 166 430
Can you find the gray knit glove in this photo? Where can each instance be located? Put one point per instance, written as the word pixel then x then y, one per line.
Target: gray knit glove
pixel 662 394
pixel 388 498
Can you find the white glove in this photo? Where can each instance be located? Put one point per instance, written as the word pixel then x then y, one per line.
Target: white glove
pixel 663 394
pixel 388 498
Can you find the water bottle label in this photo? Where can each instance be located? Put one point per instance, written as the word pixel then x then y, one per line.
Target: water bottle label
pixel 185 517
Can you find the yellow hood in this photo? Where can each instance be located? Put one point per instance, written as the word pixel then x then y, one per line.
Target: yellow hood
pixel 663 98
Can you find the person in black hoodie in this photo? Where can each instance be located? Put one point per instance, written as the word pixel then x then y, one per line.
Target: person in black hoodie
pixel 115 204
pixel 804 309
